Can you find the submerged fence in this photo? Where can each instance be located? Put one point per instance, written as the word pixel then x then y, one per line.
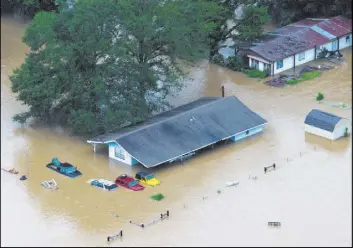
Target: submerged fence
pixel 279 163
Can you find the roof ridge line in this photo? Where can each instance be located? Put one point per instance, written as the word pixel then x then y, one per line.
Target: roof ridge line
pixel 198 107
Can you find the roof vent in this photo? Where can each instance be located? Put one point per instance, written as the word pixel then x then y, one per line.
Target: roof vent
pixel 192 119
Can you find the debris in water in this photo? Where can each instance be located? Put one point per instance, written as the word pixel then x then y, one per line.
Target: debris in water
pixel 51 184
pixel 12 171
pixel 157 197
pixel 310 68
pixel 341 105
pixel 233 183
pixel 274 224
pixel 278 82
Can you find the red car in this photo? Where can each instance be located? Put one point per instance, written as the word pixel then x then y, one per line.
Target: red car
pixel 128 182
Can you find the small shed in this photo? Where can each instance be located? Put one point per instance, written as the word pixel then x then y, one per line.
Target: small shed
pixel 326 125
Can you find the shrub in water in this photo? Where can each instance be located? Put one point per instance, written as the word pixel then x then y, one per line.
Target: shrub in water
pixel 218 59
pixel 256 73
pixel 235 63
pixel 319 96
pixel 310 75
pixel 293 81
pixel 157 197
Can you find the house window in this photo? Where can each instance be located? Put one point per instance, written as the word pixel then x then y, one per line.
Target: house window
pixel 254 64
pixel 279 64
pixel 301 56
pixel 348 39
pixel 119 152
pixel 247 132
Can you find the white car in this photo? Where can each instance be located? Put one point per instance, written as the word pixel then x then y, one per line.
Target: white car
pixel 102 183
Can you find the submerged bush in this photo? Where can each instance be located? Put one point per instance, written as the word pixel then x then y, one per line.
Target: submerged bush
pixel 235 63
pixel 256 73
pixel 293 81
pixel 157 197
pixel 310 75
pixel 218 59
pixel 319 96
pixel 304 76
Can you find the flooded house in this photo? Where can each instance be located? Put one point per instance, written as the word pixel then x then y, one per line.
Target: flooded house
pixel 299 43
pixel 326 125
pixel 180 132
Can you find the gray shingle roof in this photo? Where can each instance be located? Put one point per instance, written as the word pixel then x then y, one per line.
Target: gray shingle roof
pixel 184 129
pixel 322 120
pixel 301 36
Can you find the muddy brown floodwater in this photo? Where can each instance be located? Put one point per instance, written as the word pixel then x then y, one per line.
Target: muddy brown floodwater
pixel 309 193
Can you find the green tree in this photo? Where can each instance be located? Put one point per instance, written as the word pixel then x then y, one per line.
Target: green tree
pixel 287 11
pixel 105 64
pixel 29 7
pixel 244 29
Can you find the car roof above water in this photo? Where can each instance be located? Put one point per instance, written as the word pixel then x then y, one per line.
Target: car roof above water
pixel 142 173
pixel 126 178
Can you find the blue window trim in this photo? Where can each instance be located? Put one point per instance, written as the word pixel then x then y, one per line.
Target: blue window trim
pixel 301 56
pixel 279 64
pixel 119 152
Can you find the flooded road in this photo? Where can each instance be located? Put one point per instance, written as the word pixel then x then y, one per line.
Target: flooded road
pixel 309 193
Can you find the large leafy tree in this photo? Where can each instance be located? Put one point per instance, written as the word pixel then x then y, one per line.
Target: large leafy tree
pixel 29 7
pixel 288 11
pixel 104 64
pixel 245 28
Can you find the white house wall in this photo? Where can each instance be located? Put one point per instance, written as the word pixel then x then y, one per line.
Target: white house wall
pixel 319 132
pixel 342 41
pixel 261 64
pixel 328 46
pixel 128 159
pixel 288 63
pixel 340 128
pixel 252 131
pixel 309 56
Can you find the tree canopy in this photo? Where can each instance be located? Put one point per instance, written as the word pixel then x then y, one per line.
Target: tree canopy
pixel 108 63
pixel 28 7
pixel 245 28
pixel 288 11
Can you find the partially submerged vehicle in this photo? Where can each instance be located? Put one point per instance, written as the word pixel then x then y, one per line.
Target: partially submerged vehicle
pixel 64 168
pixel 51 184
pixel 128 182
pixel 147 178
pixel 102 183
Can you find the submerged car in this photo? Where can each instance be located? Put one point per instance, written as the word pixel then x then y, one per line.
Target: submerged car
pixel 64 168
pixel 128 182
pixel 102 183
pixel 147 178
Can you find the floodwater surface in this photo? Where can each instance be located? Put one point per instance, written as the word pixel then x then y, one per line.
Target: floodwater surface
pixel 309 192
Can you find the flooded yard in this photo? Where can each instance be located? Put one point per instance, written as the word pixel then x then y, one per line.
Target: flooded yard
pixel 309 192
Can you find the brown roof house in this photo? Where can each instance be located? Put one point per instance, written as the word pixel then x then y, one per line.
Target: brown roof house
pixel 299 43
